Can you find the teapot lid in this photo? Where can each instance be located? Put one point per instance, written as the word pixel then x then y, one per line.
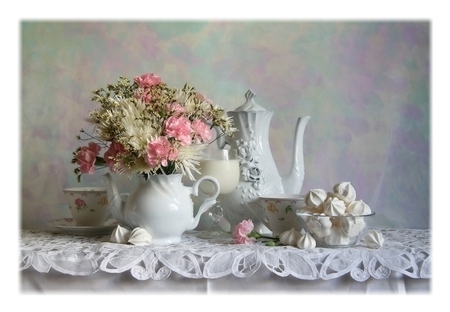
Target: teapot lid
pixel 250 104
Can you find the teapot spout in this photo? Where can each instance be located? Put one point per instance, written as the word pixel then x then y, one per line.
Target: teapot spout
pixel 293 181
pixel 115 203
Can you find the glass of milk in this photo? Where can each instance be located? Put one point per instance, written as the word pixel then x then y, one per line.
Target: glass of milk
pixel 222 164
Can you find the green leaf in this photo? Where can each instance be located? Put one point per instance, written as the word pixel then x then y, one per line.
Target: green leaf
pixel 254 234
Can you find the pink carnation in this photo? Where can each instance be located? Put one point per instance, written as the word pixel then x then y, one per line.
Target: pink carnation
pixel 114 149
pixel 202 98
pixel 160 151
pixel 202 132
pixel 86 157
pixel 241 231
pixel 179 128
pixel 143 95
pixel 175 109
pixel 147 80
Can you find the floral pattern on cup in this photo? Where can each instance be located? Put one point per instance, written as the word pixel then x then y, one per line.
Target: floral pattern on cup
pixel 277 211
pixel 80 204
pixel 272 207
pixel 88 205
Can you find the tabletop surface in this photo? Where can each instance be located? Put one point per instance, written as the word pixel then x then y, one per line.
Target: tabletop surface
pixel 405 251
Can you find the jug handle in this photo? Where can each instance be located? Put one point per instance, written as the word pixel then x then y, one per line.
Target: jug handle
pixel 208 202
pixel 254 207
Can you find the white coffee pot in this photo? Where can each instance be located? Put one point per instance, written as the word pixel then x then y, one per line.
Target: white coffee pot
pixel 259 173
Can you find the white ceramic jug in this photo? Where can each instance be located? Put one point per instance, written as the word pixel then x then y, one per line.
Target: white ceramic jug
pixel 259 173
pixel 161 205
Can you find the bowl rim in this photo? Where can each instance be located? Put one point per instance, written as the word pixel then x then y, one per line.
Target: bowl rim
pixel 84 189
pixel 306 214
pixel 282 197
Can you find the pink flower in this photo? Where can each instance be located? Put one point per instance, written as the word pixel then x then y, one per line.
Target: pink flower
pixel 147 80
pixel 175 109
pixel 179 128
pixel 241 231
pixel 114 149
pixel 202 98
pixel 202 132
pixel 86 157
pixel 144 95
pixel 160 151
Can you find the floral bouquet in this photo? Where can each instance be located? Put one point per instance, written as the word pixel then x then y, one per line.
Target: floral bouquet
pixel 148 128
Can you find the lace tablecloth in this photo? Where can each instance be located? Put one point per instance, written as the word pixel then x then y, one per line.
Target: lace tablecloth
pixel 405 251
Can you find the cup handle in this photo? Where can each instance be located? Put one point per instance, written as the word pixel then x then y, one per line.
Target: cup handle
pixel 210 200
pixel 254 207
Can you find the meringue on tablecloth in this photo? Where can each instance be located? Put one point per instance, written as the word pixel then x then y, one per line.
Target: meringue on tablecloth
pixel 374 239
pixel 138 236
pixel 306 241
pixel 289 237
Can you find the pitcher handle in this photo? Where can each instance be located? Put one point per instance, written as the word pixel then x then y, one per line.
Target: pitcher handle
pixel 208 201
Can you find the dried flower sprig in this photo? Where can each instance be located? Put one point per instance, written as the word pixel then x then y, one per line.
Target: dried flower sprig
pixel 148 128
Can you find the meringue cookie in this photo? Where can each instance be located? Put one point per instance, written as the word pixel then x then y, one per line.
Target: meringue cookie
pixel 315 197
pixel 310 210
pixel 120 235
pixel 337 238
pixel 306 241
pixel 374 239
pixel 320 226
pixel 139 237
pixel 334 206
pixel 345 191
pixel 352 226
pixel 289 237
pixel 358 207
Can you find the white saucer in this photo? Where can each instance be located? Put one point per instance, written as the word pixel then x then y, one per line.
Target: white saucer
pixel 68 226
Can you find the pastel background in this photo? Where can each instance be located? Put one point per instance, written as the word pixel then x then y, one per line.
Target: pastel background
pixel 366 86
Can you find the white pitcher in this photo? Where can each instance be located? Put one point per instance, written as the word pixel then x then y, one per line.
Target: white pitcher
pixel 259 173
pixel 161 205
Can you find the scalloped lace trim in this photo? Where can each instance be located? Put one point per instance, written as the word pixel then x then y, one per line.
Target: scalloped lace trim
pixel 404 251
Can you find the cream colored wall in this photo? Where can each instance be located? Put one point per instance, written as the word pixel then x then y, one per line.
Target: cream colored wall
pixel 365 85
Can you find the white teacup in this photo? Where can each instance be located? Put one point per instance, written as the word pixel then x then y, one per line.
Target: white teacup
pixel 88 205
pixel 278 211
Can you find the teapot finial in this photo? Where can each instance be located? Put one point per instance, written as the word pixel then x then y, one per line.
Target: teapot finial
pixel 249 95
pixel 250 104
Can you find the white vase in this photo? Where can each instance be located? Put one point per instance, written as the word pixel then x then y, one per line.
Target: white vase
pixel 161 205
